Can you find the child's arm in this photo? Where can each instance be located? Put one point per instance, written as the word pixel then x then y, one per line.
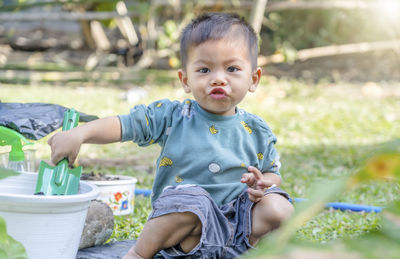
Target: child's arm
pixel 68 143
pixel 258 182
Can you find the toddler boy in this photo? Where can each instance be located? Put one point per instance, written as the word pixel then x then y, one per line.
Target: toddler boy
pixel 215 193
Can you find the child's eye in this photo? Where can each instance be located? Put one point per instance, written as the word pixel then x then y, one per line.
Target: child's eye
pixel 204 70
pixel 232 69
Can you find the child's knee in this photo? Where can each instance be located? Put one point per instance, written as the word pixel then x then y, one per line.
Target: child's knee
pixel 188 220
pixel 275 209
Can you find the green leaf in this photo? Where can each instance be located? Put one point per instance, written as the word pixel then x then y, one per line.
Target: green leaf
pixel 385 166
pixel 9 247
pixel 374 245
pixel 321 192
pixel 170 28
pixel 163 41
pixel 381 166
pixel 394 208
pixel 391 221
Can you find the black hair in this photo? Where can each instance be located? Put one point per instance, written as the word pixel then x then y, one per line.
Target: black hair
pixel 215 26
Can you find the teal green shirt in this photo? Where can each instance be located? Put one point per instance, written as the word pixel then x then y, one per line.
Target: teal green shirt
pixel 201 148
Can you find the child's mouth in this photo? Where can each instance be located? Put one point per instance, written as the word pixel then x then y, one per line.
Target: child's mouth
pixel 218 93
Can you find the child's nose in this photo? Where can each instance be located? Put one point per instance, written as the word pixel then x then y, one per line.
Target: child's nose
pixel 218 78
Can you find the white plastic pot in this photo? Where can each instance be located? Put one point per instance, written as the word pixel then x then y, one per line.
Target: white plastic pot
pixel 48 227
pixel 118 194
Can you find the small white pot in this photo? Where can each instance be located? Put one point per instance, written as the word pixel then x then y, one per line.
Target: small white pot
pixel 118 194
pixel 48 227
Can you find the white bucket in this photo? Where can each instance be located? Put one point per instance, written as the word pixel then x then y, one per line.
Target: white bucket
pixel 118 194
pixel 48 227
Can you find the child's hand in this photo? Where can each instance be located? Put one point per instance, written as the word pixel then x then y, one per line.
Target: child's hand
pixel 256 183
pixel 68 143
pixel 64 144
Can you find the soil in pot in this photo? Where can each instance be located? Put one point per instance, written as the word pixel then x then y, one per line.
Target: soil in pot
pixel 98 176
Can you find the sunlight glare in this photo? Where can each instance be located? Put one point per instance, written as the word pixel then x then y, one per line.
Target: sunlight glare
pixel 390 9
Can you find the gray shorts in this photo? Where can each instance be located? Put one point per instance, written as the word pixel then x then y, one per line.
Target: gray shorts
pixel 225 229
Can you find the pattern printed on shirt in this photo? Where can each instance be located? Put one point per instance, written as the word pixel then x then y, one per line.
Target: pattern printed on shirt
pixel 178 179
pixel 214 168
pixel 246 127
pixel 165 161
pixel 213 130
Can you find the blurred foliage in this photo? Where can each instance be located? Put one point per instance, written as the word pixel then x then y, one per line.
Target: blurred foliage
pixel 301 29
pixel 169 35
pixel 384 165
pixel 18 5
pixel 284 31
pixel 9 247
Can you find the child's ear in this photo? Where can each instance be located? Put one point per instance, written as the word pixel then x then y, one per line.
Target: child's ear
pixel 183 78
pixel 255 79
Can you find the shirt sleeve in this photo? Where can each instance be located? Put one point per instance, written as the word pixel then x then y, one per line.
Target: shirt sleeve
pixel 271 162
pixel 146 125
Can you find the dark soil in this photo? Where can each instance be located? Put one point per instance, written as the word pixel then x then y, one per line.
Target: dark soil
pixel 97 176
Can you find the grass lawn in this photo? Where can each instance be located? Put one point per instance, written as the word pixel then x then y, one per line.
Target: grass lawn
pixel 324 130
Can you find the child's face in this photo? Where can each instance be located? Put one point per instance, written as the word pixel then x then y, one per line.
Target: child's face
pixel 219 75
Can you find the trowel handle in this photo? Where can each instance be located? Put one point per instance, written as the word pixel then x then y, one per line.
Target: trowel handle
pixel 71 119
pixel 59 171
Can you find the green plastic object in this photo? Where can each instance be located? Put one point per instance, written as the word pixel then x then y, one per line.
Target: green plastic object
pixel 60 179
pixel 9 137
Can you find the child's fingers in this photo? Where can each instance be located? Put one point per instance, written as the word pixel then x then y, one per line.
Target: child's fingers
pixel 248 179
pixel 55 158
pixel 265 184
pixel 245 178
pixel 71 159
pixel 255 193
pixel 260 181
pixel 257 174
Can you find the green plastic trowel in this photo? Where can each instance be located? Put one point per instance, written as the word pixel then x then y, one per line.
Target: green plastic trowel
pixel 60 179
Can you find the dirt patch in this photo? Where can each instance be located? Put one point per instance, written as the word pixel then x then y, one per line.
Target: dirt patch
pixel 364 67
pixel 98 176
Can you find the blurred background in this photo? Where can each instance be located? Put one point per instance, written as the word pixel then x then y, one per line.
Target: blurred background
pixel 359 38
pixel 330 88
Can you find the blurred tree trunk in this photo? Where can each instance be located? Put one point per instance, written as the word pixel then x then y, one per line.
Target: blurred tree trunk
pixel 333 50
pixel 257 14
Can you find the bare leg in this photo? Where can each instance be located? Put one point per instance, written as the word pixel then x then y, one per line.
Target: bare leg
pixel 268 214
pixel 167 231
